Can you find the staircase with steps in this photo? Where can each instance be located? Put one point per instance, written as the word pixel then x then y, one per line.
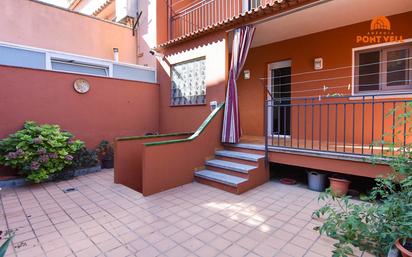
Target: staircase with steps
pixel 234 171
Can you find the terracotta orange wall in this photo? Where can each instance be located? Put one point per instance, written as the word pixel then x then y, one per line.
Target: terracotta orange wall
pixel 38 25
pixel 357 168
pixel 188 118
pixel 128 163
pixel 112 108
pixel 334 46
pixel 180 159
pixel 161 22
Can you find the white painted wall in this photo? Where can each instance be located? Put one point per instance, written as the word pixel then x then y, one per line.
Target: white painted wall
pixel 147 31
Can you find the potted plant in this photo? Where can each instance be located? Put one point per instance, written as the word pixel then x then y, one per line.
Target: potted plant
pixel 339 186
pixel 106 154
pixel 404 247
pixel 384 221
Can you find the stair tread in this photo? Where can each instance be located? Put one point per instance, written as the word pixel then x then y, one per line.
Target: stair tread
pixel 220 177
pixel 239 155
pixel 239 167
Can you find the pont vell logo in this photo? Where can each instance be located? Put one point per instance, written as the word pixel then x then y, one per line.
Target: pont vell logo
pixel 380 32
pixel 380 23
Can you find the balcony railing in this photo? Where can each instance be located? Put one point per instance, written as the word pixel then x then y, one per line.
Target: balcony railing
pixel 344 125
pixel 206 13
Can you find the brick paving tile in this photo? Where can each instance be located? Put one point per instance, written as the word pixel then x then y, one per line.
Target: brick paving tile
pixel 107 219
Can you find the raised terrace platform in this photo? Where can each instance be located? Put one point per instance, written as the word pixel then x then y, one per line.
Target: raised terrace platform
pixel 337 162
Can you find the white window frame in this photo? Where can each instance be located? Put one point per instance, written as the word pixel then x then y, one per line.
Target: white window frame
pixel 384 47
pixel 79 60
pixel 93 61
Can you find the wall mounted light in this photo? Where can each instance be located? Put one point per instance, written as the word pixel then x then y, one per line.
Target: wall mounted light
pixel 318 63
pixel 116 54
pixel 213 105
pixel 246 74
pixel 157 54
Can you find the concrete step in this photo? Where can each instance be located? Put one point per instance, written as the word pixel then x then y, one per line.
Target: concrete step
pixel 243 168
pixel 246 148
pixel 220 177
pixel 239 155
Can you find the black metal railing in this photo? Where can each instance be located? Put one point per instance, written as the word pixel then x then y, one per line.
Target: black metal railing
pixel 201 14
pixel 349 125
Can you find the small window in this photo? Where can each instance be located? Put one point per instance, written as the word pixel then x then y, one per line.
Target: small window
pixel 369 71
pixel 79 67
pixel 397 67
pixel 254 4
pixel 383 69
pixel 248 5
pixel 188 83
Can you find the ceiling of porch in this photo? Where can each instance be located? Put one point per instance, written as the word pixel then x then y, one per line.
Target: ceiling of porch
pixel 328 15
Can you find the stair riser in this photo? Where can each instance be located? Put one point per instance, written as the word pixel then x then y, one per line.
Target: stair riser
pixel 228 172
pixel 230 159
pixel 244 150
pixel 215 184
pixel 255 177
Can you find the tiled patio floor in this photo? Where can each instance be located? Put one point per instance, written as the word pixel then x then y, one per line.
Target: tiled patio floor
pixel 106 219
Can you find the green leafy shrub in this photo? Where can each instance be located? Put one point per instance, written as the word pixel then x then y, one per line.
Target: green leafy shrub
pixel 84 159
pixel 374 226
pixel 105 150
pixel 38 151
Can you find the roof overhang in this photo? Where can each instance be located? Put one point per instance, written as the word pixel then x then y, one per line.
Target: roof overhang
pixel 294 18
pixel 328 15
pixel 259 13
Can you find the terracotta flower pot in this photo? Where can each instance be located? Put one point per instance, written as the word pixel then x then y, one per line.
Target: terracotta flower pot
pixel 405 252
pixel 339 186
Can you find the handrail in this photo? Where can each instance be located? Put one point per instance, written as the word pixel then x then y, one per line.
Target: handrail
pixel 152 136
pixel 202 14
pixel 341 126
pixel 356 95
pixel 190 7
pixel 194 135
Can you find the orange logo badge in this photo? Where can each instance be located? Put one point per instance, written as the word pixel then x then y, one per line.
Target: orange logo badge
pixel 380 32
pixel 380 23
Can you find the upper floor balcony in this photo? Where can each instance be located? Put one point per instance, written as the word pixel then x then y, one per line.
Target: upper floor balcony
pixel 189 18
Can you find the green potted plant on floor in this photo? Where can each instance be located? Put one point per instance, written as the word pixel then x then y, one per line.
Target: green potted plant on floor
pixel 385 219
pixel 106 154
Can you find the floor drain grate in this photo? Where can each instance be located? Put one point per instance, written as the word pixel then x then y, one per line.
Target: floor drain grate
pixel 70 189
